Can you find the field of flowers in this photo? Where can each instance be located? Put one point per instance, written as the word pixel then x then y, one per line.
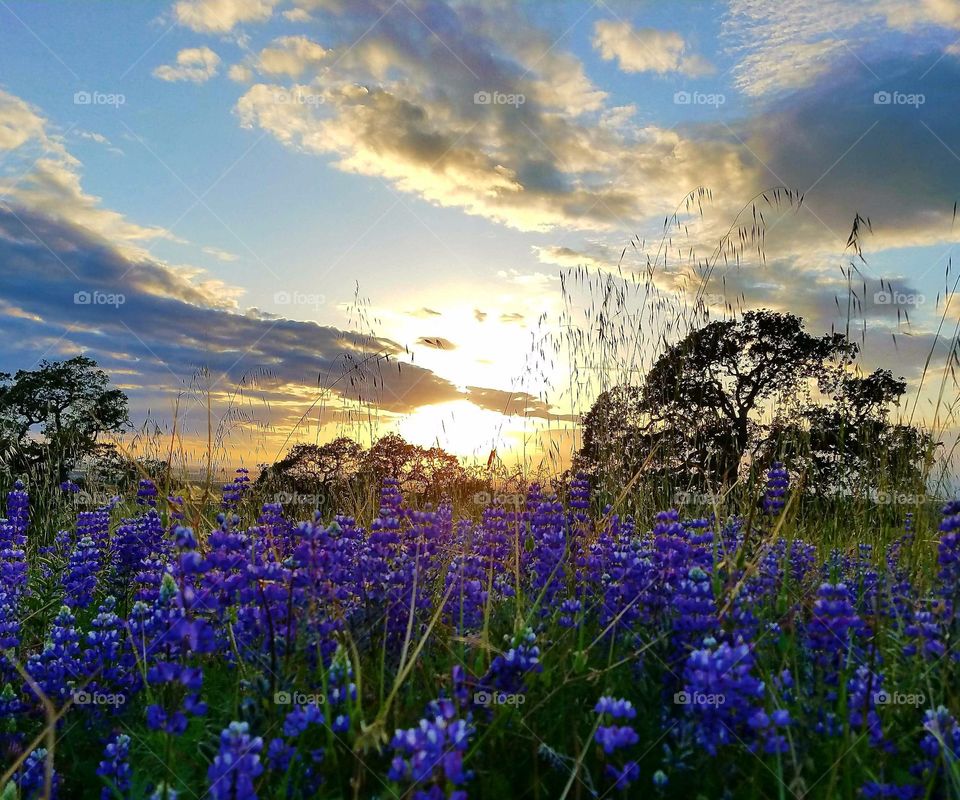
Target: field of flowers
pixel 554 649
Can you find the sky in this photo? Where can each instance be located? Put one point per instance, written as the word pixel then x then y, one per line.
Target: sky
pixel 272 204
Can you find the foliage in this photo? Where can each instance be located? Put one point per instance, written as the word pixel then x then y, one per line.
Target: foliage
pixel 54 415
pixel 542 650
pixel 762 387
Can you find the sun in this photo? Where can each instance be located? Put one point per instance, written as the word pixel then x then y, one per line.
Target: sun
pixel 458 427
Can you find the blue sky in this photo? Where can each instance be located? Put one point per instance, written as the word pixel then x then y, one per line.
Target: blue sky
pixel 242 166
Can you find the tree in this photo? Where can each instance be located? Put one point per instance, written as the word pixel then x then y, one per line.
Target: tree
pixel 307 467
pixel 699 411
pixel 849 445
pixel 389 457
pixel 709 386
pixel 56 413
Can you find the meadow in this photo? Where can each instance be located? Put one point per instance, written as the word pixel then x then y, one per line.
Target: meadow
pixel 641 628
pixel 541 646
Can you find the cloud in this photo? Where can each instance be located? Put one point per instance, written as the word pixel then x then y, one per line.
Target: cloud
pixel 195 64
pixel 784 46
pixel 436 343
pixel 220 16
pixel 520 404
pixel 409 107
pixel 19 123
pixel 220 255
pixel 647 49
pixel 598 257
pixel 290 55
pixel 892 161
pixel 424 313
pixel 240 73
pixel 511 316
pixel 66 291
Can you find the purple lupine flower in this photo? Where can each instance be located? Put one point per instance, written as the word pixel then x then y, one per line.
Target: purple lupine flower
pixel 115 768
pixel 873 790
pixel 864 689
pixel 948 557
pixel 183 681
pixel 507 672
pixel 18 508
pixel 834 628
pixel 613 737
pixel 237 765
pixel 940 745
pixel 720 693
pixel 547 559
pixel 569 613
pixel 695 611
pixel 432 752
pixel 147 493
pixel 60 665
pixel 341 691
pixel 234 492
pixel 80 579
pixel 778 481
pixel 925 633
pixel 31 775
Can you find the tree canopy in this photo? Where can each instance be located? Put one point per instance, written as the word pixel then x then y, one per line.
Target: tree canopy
pixel 747 387
pixel 56 413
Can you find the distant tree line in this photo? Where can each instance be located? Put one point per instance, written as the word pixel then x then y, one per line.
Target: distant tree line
pixel 341 465
pixel 727 399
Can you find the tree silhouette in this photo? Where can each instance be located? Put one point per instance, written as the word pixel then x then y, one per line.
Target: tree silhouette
pixel 698 412
pixel 56 413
